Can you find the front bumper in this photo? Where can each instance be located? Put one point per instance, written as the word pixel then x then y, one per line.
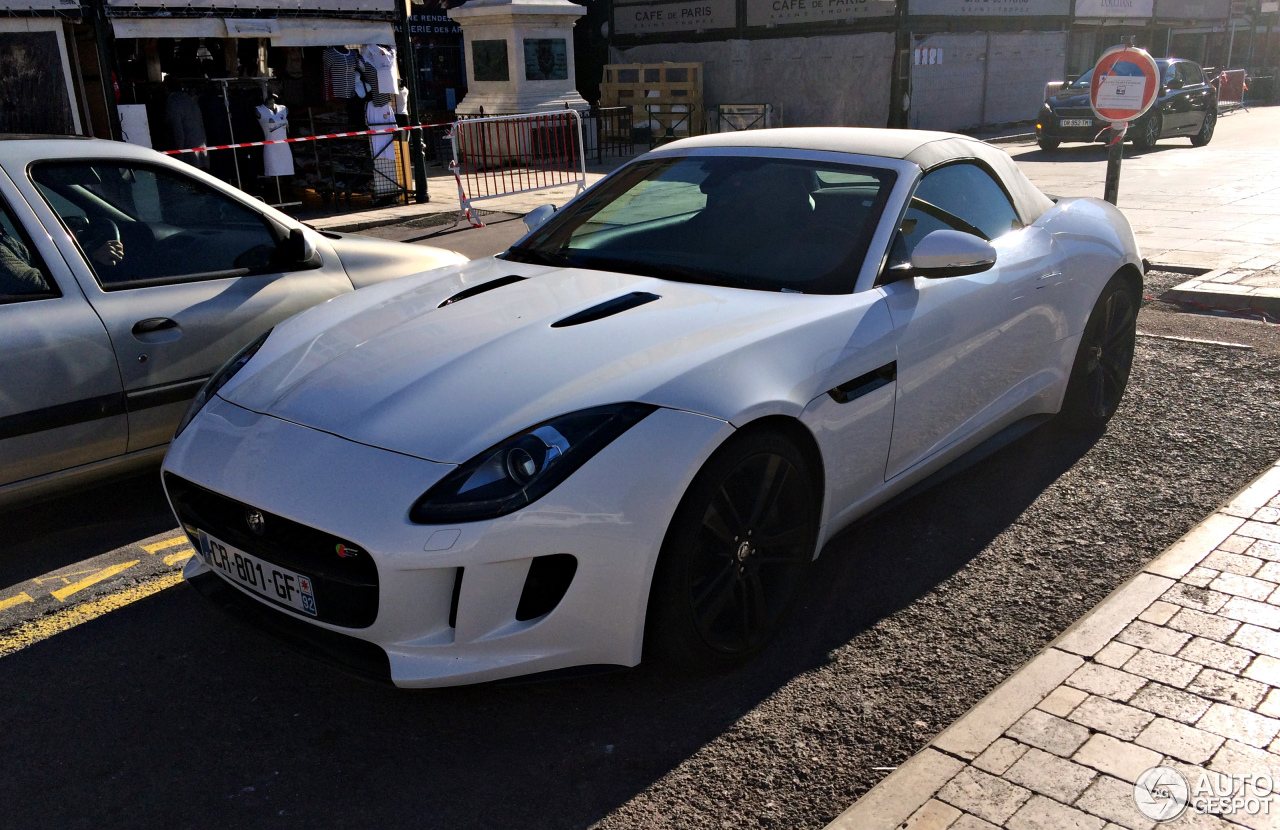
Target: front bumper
pixel 1049 126
pixel 446 603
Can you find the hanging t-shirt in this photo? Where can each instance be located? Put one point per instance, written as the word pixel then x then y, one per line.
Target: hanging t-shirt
pixel 383 61
pixel 339 73
pixel 378 116
pixel 402 101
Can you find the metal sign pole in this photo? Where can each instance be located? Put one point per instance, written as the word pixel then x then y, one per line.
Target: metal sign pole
pixel 1115 155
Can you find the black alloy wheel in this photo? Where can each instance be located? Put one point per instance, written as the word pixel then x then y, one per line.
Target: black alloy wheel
pixel 735 554
pixel 1104 359
pixel 1048 144
pixel 1148 132
pixel 1206 129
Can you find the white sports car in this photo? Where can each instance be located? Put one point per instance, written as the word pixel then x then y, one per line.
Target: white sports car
pixel 630 433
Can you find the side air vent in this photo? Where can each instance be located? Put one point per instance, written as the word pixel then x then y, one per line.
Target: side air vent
pixel 607 309
pixel 480 289
pixel 546 584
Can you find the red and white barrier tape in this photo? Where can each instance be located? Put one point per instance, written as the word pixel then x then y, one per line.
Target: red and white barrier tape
pixel 303 138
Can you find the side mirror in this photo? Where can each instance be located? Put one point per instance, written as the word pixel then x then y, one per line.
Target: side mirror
pixel 536 217
pixel 299 249
pixel 951 254
pixel 1176 83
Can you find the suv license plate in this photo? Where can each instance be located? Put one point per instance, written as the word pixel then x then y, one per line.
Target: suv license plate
pixel 258 575
pixel 1077 122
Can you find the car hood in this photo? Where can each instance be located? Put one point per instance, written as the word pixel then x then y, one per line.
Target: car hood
pixel 1072 101
pixel 369 260
pixel 391 367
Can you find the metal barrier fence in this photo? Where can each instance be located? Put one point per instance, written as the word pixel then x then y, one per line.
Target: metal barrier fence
pixel 731 118
pixel 1231 84
pixel 669 122
pixel 608 131
pixel 509 154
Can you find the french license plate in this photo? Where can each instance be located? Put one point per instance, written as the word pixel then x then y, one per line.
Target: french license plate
pixel 1077 122
pixel 259 575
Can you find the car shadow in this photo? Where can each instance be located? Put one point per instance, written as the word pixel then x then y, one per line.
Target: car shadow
pixel 46 535
pixel 169 711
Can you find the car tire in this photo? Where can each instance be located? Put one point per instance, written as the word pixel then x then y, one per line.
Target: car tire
pixel 1148 132
pixel 1048 144
pixel 718 591
pixel 1104 358
pixel 1206 129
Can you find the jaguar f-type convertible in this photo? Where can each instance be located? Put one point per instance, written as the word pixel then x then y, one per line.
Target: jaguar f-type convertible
pixel 630 434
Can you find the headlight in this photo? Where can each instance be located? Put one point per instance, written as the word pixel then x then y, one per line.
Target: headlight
pixel 525 467
pixel 219 379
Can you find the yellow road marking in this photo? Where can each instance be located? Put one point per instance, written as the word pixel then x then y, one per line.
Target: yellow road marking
pixel 180 556
pixel 44 628
pixel 167 543
pixel 12 601
pixel 40 580
pixel 106 573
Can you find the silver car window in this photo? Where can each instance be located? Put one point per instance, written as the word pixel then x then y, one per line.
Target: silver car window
pixel 139 225
pixel 23 276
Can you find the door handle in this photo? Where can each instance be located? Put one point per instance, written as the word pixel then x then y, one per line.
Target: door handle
pixel 153 324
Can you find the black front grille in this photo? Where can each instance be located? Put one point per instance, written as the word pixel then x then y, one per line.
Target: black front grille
pixel 346 587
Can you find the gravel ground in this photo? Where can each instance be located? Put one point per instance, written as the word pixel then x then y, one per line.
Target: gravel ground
pixel 925 610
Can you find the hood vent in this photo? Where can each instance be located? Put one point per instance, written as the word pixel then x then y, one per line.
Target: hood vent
pixel 480 289
pixel 607 309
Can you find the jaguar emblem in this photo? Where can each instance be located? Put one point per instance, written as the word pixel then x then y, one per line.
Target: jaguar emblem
pixel 256 521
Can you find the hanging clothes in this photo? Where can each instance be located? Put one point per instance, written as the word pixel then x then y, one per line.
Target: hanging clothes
pixel 379 116
pixel 383 61
pixel 186 125
pixel 277 159
pixel 339 73
pixel 402 100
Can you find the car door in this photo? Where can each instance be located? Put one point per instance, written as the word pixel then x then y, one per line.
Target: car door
pixel 1181 117
pixel 966 343
pixel 1199 95
pixel 181 274
pixel 61 402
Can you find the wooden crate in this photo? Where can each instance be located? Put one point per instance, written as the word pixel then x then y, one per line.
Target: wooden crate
pixel 669 85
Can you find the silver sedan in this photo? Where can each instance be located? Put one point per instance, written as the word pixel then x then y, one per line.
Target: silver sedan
pixel 126 279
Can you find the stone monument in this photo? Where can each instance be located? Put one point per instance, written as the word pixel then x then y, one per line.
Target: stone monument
pixel 519 56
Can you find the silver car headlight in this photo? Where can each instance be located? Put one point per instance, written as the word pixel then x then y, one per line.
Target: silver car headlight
pixel 219 379
pixel 525 467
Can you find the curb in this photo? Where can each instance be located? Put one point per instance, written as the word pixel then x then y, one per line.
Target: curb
pixel 1208 289
pixel 906 790
pixel 353 223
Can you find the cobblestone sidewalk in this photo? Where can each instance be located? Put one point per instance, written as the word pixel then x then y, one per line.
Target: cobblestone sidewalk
pixel 1180 666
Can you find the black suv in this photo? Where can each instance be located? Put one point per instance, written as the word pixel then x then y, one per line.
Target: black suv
pixel 1187 106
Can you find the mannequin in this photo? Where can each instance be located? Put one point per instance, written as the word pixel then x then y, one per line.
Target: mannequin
pixel 273 117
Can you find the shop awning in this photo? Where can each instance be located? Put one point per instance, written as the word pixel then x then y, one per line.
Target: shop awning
pixel 284 31
pixel 317 31
pixel 169 27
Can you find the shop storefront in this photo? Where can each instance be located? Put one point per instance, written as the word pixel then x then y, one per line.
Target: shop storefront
pixel 983 63
pixel 1193 29
pixel 1101 24
pixel 815 62
pixel 38 92
pixel 223 76
pixel 437 57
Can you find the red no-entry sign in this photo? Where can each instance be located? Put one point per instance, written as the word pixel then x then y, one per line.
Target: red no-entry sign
pixel 1125 84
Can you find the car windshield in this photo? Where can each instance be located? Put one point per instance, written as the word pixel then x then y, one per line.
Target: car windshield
pixel 748 222
pixel 1081 84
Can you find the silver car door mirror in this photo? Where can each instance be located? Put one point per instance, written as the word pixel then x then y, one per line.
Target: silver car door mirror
pixel 536 217
pixel 946 253
pixel 300 249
